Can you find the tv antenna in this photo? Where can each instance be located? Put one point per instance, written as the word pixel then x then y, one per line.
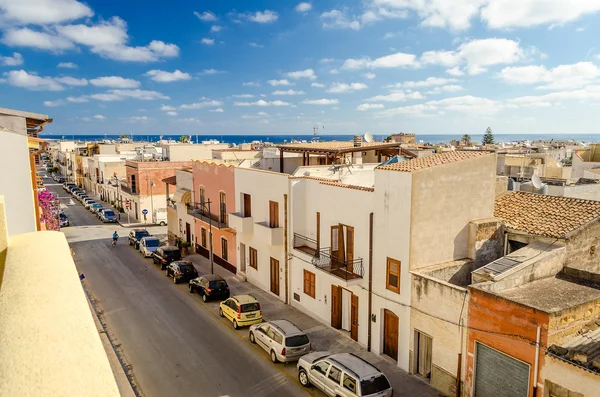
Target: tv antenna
pixel 316 129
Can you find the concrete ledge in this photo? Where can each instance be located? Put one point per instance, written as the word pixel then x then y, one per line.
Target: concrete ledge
pixel 50 344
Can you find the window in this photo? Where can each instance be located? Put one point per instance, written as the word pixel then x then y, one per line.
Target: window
pixel 278 338
pixel 349 383
pixel 321 367
pixel 202 194
pixel 222 207
pixel 253 257
pixel 247 205
pixel 133 184
pixel 203 237
pixel 393 275
pixel 224 254
pixel 335 374
pixel 273 214
pixel 309 283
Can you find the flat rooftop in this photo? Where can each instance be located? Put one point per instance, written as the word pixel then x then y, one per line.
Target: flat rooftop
pixel 336 146
pixel 355 175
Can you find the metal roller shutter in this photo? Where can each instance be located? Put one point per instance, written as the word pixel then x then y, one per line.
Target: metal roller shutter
pixel 499 375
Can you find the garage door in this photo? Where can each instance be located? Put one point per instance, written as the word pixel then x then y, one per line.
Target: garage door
pixel 499 375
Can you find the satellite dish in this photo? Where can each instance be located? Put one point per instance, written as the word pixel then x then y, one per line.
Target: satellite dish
pixel 536 181
pixel 368 137
pixel 559 164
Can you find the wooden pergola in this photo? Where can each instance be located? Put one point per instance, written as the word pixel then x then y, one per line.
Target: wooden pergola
pixel 335 150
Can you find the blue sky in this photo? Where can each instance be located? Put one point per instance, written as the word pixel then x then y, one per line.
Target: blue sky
pixel 269 67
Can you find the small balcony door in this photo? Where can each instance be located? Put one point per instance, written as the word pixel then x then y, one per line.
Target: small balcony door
pixel 273 214
pixel 342 246
pixel 247 205
pixel 275 276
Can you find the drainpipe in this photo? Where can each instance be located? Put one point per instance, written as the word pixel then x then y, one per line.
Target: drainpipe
pixel 370 280
pixel 537 359
pixel 285 243
pixel 505 243
pixel 459 369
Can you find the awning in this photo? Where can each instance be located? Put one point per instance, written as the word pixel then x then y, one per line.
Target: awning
pixel 172 180
pixel 182 196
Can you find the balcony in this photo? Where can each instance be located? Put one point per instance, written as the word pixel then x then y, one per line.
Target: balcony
pixel 198 211
pixel 305 244
pixel 241 223
pixel 271 235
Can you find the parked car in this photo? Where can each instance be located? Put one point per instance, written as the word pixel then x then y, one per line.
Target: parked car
pixel 87 203
pixel 281 339
pixel 108 216
pixel 342 374
pixel 135 236
pixel 165 255
pixel 95 207
pixel 67 186
pixel 148 245
pixel 181 271
pixel 63 220
pixel 241 310
pixel 209 286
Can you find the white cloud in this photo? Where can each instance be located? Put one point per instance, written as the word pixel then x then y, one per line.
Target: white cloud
pixel 323 101
pixel 445 88
pixel 470 105
pixel 338 19
pixel 581 29
pixel 326 60
pixel 455 71
pixel 23 79
pixel 398 96
pixel 288 92
pixel 562 77
pixel 334 71
pixel 256 45
pixel 342 20
pixel 79 99
pixel 219 110
pixel 203 104
pixel 211 71
pixel 207 41
pixel 162 76
pixel 303 7
pixel 167 108
pixel 261 102
pixel 252 84
pixel 370 76
pixel 216 28
pixel 367 106
pixel 15 60
pixel 303 74
pixel 59 102
pixel 190 120
pixel 340 88
pixel 243 96
pixel 444 58
pixel 317 85
pixel 26 37
pixel 428 82
pixel 42 12
pixel 67 65
pixel 397 60
pixel 171 113
pixel 99 117
pixel 71 81
pixel 119 95
pixel 206 16
pixel 137 119
pixel 115 82
pixel 266 16
pixel 275 83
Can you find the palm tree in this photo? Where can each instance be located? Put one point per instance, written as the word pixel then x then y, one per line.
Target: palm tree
pixel 124 136
pixel 184 139
pixel 466 140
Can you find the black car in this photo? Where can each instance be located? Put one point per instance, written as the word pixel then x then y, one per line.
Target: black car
pixel 209 286
pixel 63 220
pixel 181 271
pixel 136 235
pixel 165 255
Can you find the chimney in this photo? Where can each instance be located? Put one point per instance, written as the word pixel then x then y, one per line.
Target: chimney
pixel 358 140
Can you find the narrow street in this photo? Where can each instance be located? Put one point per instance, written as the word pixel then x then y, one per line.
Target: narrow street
pixel 174 344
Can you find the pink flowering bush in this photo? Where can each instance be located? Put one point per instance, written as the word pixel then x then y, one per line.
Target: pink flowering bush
pixel 50 209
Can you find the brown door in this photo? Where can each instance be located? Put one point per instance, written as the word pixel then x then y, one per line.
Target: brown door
pixel 273 214
pixel 390 334
pixel 354 318
pixel 336 307
pixel 247 206
pixel 338 250
pixel 349 248
pixel 187 232
pixel 275 276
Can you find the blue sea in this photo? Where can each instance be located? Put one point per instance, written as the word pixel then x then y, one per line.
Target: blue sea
pixel 420 138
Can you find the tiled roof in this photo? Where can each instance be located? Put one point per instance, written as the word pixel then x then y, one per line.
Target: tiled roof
pixel 172 180
pixel 433 160
pixel 583 349
pixel 355 187
pixel 545 215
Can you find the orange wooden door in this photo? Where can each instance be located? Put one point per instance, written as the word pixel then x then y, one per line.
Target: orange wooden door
pixel 390 334
pixel 336 307
pixel 275 276
pixel 354 317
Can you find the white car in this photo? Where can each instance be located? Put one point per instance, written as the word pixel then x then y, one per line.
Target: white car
pixel 148 245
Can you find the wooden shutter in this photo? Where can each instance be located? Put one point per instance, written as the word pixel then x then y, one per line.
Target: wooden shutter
pixel 309 283
pixel 224 253
pixel 392 277
pixel 350 247
pixel 273 214
pixel 247 205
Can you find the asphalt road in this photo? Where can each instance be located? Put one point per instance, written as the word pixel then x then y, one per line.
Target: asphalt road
pixel 175 346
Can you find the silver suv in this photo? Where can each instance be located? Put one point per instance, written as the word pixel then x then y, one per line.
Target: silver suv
pixel 282 339
pixel 342 374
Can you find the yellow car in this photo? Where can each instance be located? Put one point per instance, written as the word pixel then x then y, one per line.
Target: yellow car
pixel 242 310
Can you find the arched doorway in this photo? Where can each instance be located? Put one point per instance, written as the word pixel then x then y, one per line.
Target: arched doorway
pixel 390 334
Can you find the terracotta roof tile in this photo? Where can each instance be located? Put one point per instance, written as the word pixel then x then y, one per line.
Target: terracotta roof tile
pixel 355 187
pixel 432 161
pixel 544 215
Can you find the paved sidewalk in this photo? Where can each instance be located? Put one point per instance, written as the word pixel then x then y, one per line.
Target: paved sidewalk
pixel 322 336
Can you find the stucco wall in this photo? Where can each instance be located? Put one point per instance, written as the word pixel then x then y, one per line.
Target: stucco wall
pixel 262 188
pixel 583 250
pixel 445 305
pixel 187 152
pixel 566 375
pixel 16 185
pixel 444 200
pixel 154 171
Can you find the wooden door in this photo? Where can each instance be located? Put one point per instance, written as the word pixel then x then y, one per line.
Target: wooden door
pixel 273 214
pixel 336 307
pixel 247 205
pixel 242 257
pixel 350 248
pixel 354 318
pixel 390 334
pixel 337 246
pixel 424 349
pixel 188 232
pixel 275 276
